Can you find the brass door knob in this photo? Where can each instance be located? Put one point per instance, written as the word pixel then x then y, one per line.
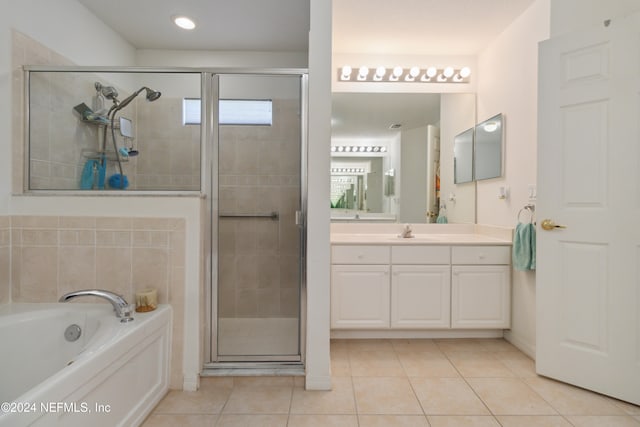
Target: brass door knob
pixel 548 224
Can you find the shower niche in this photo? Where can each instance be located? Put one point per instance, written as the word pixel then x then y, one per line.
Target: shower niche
pixel 91 130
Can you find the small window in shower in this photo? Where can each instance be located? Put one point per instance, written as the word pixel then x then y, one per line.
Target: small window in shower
pixel 238 112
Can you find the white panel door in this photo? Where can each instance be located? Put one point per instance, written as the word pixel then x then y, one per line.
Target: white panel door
pixel 588 282
pixel 360 296
pixel 420 296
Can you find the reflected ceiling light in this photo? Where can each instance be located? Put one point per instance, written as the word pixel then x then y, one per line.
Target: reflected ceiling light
pixel 380 72
pixel 359 149
pixel 347 149
pixel 346 72
pixel 340 149
pixel 333 149
pixel 362 149
pixel 183 22
pixel 490 127
pixel 383 149
pixel 376 149
pixel 369 149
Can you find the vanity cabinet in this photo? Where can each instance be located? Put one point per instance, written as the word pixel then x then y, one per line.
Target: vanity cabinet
pixel 360 287
pixel 420 287
pixel 480 287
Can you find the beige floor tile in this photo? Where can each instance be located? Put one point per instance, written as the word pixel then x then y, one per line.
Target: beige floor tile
pixel 637 417
pixel 340 364
pixel 533 421
pixel 182 420
pixel 427 364
pixel 479 365
pixel 510 396
pixel 497 344
pixel 447 396
pixel 385 396
pixel 570 400
pixel 339 344
pixel 265 381
pixel 604 420
pixel 519 363
pixel 369 345
pixel 259 400
pixel 415 346
pixel 323 421
pixel 393 420
pixel 627 407
pixel 463 421
pixel 460 344
pixel 230 420
pixel 381 363
pixel 339 400
pixel 204 401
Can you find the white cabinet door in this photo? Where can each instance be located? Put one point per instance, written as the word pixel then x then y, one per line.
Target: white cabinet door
pixel 360 296
pixel 420 296
pixel 480 296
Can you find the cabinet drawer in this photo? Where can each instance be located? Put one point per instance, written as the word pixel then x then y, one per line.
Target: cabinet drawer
pixel 411 254
pixel 481 255
pixel 360 254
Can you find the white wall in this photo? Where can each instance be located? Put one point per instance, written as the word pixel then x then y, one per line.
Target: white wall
pixel 66 27
pixel 318 365
pixel 507 83
pixel 572 15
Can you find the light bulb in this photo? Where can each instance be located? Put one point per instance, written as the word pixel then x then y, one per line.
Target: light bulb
pixel 184 22
pixel 465 72
pixel 362 73
pixel 333 149
pixel 431 72
pixel 346 72
pixel 448 72
pixel 380 72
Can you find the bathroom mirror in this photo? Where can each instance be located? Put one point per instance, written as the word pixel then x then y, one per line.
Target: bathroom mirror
pixel 463 157
pixel 488 148
pixel 385 154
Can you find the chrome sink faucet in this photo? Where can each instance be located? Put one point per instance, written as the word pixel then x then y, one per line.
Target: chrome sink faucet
pixel 120 305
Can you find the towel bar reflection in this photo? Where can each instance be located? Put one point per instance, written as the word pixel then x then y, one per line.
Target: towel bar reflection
pixel 273 215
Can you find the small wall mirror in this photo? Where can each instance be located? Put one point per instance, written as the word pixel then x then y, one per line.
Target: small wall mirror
pixel 463 157
pixel 488 148
pixel 126 127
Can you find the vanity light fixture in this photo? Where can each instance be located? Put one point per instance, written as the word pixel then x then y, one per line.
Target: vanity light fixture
pixel 417 74
pixel 183 22
pixel 348 170
pixel 359 149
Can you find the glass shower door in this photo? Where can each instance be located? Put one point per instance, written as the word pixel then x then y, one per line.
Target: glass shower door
pixel 259 200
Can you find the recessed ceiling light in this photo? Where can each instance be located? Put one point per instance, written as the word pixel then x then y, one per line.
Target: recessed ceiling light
pixel 184 22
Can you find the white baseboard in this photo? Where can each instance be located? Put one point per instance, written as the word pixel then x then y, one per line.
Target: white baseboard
pixel 409 334
pixel 317 383
pixel 525 347
pixel 191 382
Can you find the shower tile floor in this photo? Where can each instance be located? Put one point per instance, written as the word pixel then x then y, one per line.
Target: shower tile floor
pixel 404 383
pixel 258 336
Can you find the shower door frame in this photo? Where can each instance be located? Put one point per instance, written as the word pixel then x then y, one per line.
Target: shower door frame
pixel 210 158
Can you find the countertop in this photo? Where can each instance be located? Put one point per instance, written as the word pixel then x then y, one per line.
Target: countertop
pixel 418 239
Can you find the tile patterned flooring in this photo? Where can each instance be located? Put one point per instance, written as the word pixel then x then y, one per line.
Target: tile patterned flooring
pixel 404 383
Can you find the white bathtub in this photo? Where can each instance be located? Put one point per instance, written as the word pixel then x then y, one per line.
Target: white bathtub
pixel 113 375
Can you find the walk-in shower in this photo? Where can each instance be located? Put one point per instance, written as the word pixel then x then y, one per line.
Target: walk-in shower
pixel 233 139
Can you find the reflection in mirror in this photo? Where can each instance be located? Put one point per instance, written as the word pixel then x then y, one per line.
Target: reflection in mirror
pixel 463 157
pixel 385 156
pixel 488 148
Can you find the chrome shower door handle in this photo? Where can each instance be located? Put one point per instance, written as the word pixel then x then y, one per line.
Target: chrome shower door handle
pixel 299 219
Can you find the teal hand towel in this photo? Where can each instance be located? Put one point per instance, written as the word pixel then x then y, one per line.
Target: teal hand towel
pixel 442 219
pixel 86 179
pixel 523 251
pixel 533 247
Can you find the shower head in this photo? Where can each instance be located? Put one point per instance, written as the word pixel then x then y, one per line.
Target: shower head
pixel 108 92
pixel 152 95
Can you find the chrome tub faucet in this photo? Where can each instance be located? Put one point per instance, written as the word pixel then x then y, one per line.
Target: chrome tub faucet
pixel 120 305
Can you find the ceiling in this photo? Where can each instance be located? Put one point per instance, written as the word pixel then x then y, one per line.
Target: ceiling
pixel 244 25
pixel 369 115
pixel 421 27
pixel 409 27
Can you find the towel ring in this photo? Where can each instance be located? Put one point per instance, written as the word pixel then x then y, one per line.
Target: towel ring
pixel 531 209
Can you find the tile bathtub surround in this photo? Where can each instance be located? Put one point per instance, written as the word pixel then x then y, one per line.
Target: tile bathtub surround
pixel 54 255
pixel 423 396
pixel 5 259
